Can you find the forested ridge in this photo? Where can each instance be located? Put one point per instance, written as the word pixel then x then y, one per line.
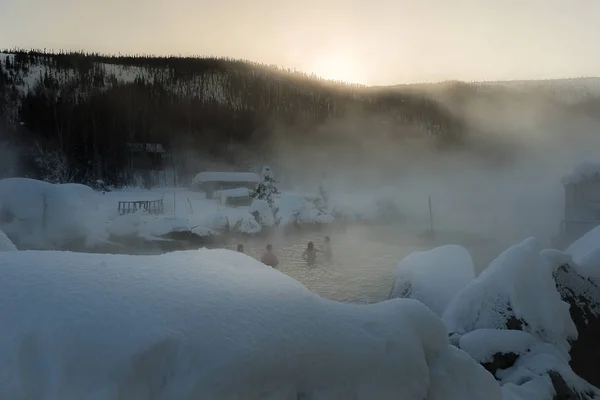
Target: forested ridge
pixel 87 109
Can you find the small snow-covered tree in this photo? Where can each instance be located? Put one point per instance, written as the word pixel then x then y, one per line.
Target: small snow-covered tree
pixel 322 202
pixel 267 188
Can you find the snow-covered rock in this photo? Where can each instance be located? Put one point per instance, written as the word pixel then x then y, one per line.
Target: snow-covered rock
pixel 484 344
pixel 583 296
pixel 211 324
pixel 516 291
pixel 524 319
pixel 42 215
pixel 434 277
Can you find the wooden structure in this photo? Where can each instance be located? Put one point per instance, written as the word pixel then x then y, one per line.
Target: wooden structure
pixel 582 204
pixel 211 182
pixel 149 206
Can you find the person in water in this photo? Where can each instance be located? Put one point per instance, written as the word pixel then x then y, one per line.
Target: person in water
pixel 269 258
pixel 240 248
pixel 310 254
pixel 327 248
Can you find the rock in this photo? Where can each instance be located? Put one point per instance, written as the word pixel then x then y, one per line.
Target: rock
pixel 500 361
pixel 583 296
pixel 564 391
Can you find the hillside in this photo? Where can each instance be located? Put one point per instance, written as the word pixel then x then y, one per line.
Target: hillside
pixel 92 116
pixel 90 109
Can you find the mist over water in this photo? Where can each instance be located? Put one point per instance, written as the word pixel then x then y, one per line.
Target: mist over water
pixel 503 184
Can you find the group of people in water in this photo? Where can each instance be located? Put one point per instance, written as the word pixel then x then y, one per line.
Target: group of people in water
pixel 309 254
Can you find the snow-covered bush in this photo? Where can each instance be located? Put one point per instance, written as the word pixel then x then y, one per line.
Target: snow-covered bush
pixel 212 324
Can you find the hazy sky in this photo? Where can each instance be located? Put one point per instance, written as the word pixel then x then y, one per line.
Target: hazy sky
pixel 370 42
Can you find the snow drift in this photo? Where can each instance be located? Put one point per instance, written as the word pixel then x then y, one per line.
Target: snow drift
pixel 434 277
pixel 36 214
pixel 211 324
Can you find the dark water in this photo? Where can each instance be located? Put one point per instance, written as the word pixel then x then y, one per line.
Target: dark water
pixel 364 258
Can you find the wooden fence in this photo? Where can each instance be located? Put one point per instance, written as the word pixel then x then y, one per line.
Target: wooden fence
pixel 149 206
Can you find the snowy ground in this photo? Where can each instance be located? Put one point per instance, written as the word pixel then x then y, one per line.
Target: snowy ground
pixel 219 324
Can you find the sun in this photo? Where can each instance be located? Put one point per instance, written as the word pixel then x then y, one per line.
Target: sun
pixel 338 67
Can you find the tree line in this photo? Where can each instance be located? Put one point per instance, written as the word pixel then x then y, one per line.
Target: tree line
pixel 86 109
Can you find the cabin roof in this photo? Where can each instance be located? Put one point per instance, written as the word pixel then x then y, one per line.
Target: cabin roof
pixel 208 176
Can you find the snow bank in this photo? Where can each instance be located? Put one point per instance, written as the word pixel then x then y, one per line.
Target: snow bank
pixel 155 227
pixel 434 277
pixel 41 215
pixel 211 324
pixel 518 284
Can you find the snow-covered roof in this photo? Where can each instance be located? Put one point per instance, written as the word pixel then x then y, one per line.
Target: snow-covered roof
pixel 586 170
pixel 207 176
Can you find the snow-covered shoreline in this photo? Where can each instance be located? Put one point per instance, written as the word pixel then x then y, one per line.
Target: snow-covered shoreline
pixel 43 216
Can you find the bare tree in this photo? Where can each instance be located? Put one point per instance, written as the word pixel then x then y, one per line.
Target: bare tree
pixel 54 166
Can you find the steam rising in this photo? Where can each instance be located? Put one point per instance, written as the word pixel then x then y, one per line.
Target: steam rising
pixel 504 184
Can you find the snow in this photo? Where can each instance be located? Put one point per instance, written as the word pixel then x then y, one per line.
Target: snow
pixel 534 365
pixel 482 344
pixel 520 282
pixel 586 253
pixel 294 208
pixel 434 277
pixel 448 382
pixel 211 324
pixel 43 215
pixel 264 212
pixel 5 243
pixel 585 170
pixel 232 193
pixel 207 176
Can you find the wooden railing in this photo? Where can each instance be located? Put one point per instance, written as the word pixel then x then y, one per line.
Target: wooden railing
pixel 149 206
